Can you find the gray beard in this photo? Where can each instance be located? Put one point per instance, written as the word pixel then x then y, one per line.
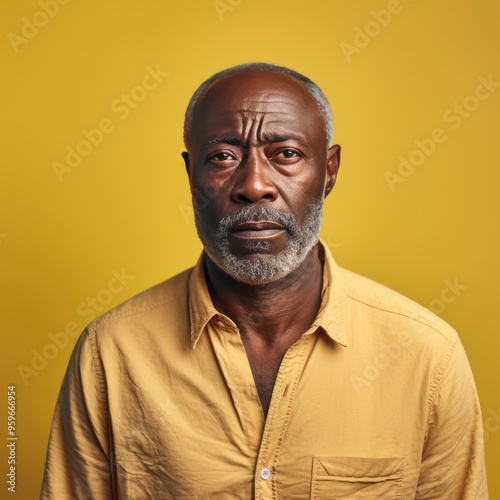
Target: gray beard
pixel 263 268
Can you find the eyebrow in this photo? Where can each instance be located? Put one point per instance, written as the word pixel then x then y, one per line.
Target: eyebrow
pixel 277 137
pixel 269 137
pixel 226 139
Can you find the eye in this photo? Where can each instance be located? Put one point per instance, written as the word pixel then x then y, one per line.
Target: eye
pixel 221 158
pixel 289 155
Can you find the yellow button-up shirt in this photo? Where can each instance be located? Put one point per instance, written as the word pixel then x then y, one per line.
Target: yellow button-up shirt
pixel 376 399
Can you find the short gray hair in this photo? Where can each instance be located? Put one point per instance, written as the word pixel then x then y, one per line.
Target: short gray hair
pixel 314 90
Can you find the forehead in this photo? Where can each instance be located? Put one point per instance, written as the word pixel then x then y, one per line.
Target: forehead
pixel 270 100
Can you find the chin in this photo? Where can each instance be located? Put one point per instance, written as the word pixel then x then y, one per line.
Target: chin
pixel 257 270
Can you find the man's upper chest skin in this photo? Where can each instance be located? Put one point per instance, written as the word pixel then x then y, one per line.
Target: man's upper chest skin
pixel 265 360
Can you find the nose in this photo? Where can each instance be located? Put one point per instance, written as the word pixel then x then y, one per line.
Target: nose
pixel 253 182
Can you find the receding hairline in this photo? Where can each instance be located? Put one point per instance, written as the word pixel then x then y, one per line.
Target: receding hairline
pixel 312 88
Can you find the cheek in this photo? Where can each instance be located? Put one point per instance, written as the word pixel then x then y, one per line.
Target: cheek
pixel 208 204
pixel 299 194
pixel 307 181
pixel 203 193
pixel 206 189
pixel 298 200
pixel 203 197
pixel 212 195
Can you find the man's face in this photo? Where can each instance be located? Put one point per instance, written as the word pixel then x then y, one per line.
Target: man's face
pixel 259 169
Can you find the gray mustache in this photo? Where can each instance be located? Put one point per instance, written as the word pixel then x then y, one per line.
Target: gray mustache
pixel 249 213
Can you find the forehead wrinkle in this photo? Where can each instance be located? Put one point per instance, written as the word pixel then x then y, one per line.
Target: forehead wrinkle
pixel 263 113
pixel 270 101
pixel 256 106
pixel 248 125
pixel 260 124
pixel 259 119
pixel 263 135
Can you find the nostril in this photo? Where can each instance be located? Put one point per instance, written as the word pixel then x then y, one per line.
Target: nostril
pixel 253 182
pixel 252 192
pixel 243 198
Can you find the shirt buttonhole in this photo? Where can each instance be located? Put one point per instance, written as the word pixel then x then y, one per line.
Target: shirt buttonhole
pixel 286 391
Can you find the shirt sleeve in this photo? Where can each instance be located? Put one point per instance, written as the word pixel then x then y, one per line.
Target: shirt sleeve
pixel 79 457
pixel 453 457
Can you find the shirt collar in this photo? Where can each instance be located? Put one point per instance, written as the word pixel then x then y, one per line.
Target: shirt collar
pixel 330 318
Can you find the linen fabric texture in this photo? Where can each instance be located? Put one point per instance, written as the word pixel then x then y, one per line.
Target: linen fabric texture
pixel 376 400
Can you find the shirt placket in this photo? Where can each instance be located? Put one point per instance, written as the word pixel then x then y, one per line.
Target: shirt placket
pixel 280 411
pixel 233 362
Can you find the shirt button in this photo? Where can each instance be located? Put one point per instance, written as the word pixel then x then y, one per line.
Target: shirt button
pixel 265 473
pixel 221 324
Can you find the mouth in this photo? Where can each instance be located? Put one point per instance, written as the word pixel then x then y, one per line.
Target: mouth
pixel 257 229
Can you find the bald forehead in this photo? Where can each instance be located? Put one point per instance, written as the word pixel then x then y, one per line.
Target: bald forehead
pixel 252 80
pixel 252 84
pixel 255 90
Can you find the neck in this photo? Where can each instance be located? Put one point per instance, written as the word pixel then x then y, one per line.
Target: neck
pixel 273 312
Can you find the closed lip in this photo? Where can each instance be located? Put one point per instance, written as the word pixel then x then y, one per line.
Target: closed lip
pixel 260 225
pixel 257 229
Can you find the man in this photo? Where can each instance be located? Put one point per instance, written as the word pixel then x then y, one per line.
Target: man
pixel 266 371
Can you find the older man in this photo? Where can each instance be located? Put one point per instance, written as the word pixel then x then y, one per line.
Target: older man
pixel 266 371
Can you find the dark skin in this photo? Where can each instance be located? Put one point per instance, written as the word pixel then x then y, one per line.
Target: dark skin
pixel 258 138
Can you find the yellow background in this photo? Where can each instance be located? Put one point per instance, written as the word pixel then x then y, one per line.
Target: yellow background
pixel 126 206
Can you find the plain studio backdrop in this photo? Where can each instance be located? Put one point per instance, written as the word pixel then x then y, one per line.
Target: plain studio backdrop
pixel 95 204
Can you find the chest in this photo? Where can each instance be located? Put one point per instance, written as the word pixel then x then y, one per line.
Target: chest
pixel 265 365
pixel 204 424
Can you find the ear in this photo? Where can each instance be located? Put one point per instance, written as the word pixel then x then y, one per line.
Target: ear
pixel 332 167
pixel 185 157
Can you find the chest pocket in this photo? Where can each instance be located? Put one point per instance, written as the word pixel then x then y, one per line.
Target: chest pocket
pixel 357 477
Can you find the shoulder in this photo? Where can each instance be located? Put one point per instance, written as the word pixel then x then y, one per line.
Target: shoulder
pixel 400 337
pixel 394 312
pixel 163 303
